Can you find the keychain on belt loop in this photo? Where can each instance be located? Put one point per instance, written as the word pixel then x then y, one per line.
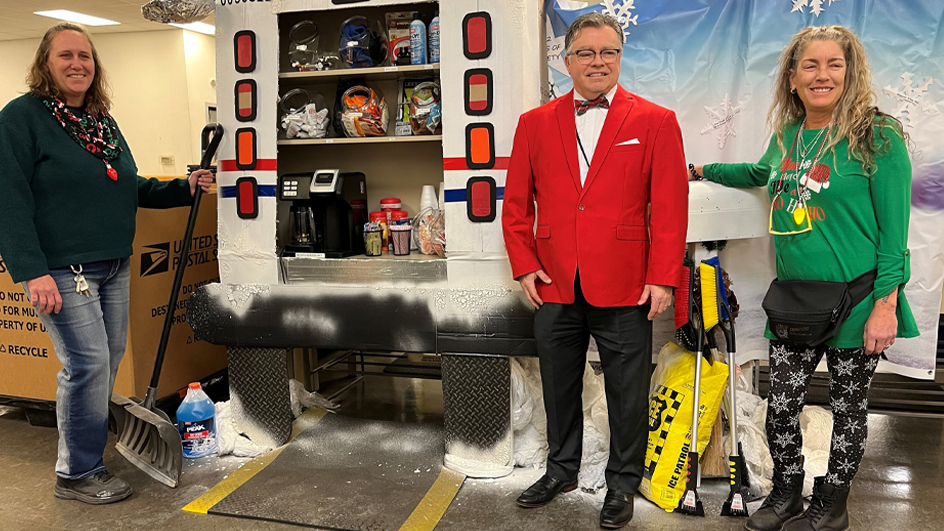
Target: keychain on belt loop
pixel 81 285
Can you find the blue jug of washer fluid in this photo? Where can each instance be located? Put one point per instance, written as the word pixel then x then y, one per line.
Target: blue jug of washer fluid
pixel 196 422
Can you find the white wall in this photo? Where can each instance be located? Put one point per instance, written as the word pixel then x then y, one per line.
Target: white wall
pixel 160 84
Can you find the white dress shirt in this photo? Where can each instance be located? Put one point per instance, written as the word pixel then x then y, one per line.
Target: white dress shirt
pixel 589 126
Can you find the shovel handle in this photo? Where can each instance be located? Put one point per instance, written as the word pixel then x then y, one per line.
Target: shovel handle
pixel 210 145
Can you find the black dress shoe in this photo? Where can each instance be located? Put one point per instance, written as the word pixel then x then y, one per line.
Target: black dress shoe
pixel 543 491
pixel 617 509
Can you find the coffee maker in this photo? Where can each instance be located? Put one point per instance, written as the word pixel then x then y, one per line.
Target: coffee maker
pixel 327 213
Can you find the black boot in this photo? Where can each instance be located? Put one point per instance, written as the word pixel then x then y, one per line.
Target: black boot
pixel 827 511
pixel 543 491
pixel 784 504
pixel 98 489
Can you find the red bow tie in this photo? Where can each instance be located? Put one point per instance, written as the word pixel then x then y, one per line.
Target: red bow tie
pixel 582 106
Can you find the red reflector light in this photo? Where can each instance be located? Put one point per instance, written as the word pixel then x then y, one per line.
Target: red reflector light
pixel 247 197
pixel 478 92
pixel 244 43
pixel 246 100
pixel 480 199
pixel 477 35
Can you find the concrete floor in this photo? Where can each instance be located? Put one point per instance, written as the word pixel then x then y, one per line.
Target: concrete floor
pixel 898 487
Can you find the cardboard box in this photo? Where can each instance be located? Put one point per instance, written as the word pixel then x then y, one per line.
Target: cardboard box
pixel 28 363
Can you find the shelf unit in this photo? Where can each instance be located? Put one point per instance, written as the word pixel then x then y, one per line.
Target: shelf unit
pixel 364 140
pixel 375 74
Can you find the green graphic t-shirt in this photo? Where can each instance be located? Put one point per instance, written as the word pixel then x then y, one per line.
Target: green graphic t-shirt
pixel 831 221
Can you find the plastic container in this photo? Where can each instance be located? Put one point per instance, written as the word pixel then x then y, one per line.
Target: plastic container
pixel 399 217
pixel 400 239
pixel 417 40
pixel 196 422
pixel 379 220
pixel 434 39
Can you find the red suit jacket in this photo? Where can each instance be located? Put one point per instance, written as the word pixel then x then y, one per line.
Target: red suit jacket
pixel 606 227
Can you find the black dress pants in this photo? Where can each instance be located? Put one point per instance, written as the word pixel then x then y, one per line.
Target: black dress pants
pixel 624 338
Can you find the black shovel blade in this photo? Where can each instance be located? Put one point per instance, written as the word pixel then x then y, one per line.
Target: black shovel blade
pixel 148 440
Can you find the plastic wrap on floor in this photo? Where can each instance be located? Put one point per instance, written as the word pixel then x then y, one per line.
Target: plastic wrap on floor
pixel 344 473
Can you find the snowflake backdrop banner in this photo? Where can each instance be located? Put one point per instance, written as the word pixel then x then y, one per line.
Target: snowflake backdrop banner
pixel 713 62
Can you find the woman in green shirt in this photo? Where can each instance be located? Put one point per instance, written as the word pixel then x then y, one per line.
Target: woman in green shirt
pixel 839 177
pixel 70 191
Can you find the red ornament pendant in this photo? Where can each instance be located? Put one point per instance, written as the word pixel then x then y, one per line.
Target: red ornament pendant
pixel 112 173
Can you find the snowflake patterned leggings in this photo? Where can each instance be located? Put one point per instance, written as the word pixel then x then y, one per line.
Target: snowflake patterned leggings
pixel 791 368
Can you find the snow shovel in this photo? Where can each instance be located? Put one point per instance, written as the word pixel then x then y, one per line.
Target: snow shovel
pixel 736 504
pixel 690 504
pixel 146 436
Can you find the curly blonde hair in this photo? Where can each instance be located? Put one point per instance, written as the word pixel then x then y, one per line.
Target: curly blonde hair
pixel 855 114
pixel 42 84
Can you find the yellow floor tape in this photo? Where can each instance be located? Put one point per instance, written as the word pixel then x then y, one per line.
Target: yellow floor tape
pixel 424 517
pixel 232 482
pixel 432 507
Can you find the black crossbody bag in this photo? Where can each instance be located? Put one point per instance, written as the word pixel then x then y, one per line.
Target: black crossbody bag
pixel 808 313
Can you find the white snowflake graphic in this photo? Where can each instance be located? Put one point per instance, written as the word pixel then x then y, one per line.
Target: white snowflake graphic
pixel 853 428
pixel 862 445
pixel 911 99
pixel 816 6
pixel 845 367
pixel 805 195
pixel 779 403
pixel 797 379
pixel 785 439
pixel 872 364
pixel 809 355
pixel 850 388
pixel 846 466
pixel 840 443
pixel 721 120
pixel 622 11
pixel 864 404
pixel 832 478
pixel 840 405
pixel 779 355
pixel 779 456
pixel 793 470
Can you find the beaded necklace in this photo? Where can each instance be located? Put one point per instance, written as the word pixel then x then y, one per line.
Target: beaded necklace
pixel 98 135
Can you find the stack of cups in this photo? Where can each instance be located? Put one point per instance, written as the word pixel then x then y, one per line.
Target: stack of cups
pixel 428 198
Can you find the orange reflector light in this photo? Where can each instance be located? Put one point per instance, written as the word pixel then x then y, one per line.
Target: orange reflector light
pixel 480 146
pixel 246 148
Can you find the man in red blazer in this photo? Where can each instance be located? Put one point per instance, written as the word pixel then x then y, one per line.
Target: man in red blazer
pixel 607 172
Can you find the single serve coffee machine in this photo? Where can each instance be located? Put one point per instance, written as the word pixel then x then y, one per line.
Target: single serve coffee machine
pixel 328 211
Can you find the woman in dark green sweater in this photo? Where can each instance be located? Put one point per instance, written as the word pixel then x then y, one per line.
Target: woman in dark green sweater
pixel 839 177
pixel 67 212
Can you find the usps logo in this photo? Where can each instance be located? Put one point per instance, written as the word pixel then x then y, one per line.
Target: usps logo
pixel 154 259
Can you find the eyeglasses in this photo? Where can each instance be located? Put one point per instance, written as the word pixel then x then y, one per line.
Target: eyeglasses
pixel 586 57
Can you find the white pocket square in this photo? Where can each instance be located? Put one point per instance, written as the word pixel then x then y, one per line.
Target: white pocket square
pixel 629 142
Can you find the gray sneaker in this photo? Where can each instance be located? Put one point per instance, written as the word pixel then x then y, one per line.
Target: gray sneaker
pixel 97 489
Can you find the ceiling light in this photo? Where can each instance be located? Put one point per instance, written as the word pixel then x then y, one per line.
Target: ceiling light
pixel 199 27
pixel 72 16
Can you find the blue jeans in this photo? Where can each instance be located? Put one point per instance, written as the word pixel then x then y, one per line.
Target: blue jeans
pixel 89 335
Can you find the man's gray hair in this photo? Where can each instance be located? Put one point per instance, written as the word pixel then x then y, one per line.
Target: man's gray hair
pixel 591 20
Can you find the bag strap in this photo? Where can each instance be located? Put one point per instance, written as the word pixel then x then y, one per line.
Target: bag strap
pixel 862 286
